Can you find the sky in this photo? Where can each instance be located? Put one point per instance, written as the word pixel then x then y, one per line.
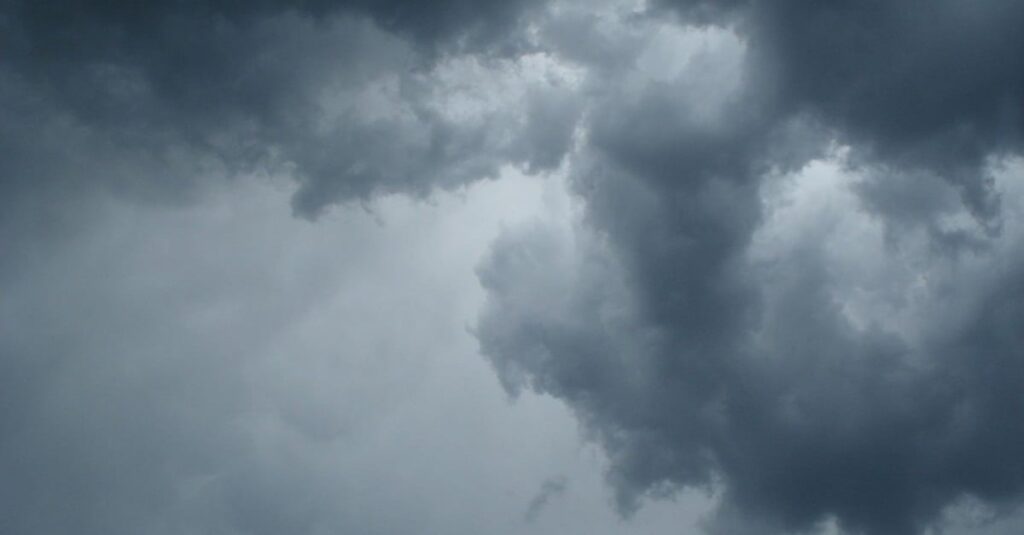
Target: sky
pixel 516 267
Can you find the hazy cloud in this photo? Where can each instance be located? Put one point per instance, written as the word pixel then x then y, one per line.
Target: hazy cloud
pixel 550 489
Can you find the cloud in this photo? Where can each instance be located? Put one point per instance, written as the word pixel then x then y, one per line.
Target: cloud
pixel 225 367
pixel 937 90
pixel 354 99
pixel 550 488
pixel 792 279
pixel 846 362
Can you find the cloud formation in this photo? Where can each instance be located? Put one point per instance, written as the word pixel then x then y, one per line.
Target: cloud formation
pixel 934 90
pixel 352 98
pixel 794 279
pixel 709 328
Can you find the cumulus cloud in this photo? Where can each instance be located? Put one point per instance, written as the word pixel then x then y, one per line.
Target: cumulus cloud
pixel 935 90
pixel 850 361
pixel 789 275
pixel 353 98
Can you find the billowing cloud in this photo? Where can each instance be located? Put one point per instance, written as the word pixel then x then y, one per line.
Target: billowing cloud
pixel 352 98
pixel 227 368
pixel 788 273
pixel 934 90
pixel 714 328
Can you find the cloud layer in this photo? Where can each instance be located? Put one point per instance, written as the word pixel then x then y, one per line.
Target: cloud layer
pixel 791 274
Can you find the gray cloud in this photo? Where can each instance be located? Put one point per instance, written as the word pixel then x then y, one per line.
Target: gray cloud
pixel 550 488
pixel 699 360
pixel 152 101
pixel 226 368
pixel 936 89
pixel 793 283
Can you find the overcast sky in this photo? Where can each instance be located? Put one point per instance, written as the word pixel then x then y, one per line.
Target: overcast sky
pixel 562 267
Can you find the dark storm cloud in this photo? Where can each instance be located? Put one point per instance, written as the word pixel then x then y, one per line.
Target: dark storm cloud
pixel 150 377
pixel 151 99
pixel 695 364
pixel 55 26
pixel 701 338
pixel 936 87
